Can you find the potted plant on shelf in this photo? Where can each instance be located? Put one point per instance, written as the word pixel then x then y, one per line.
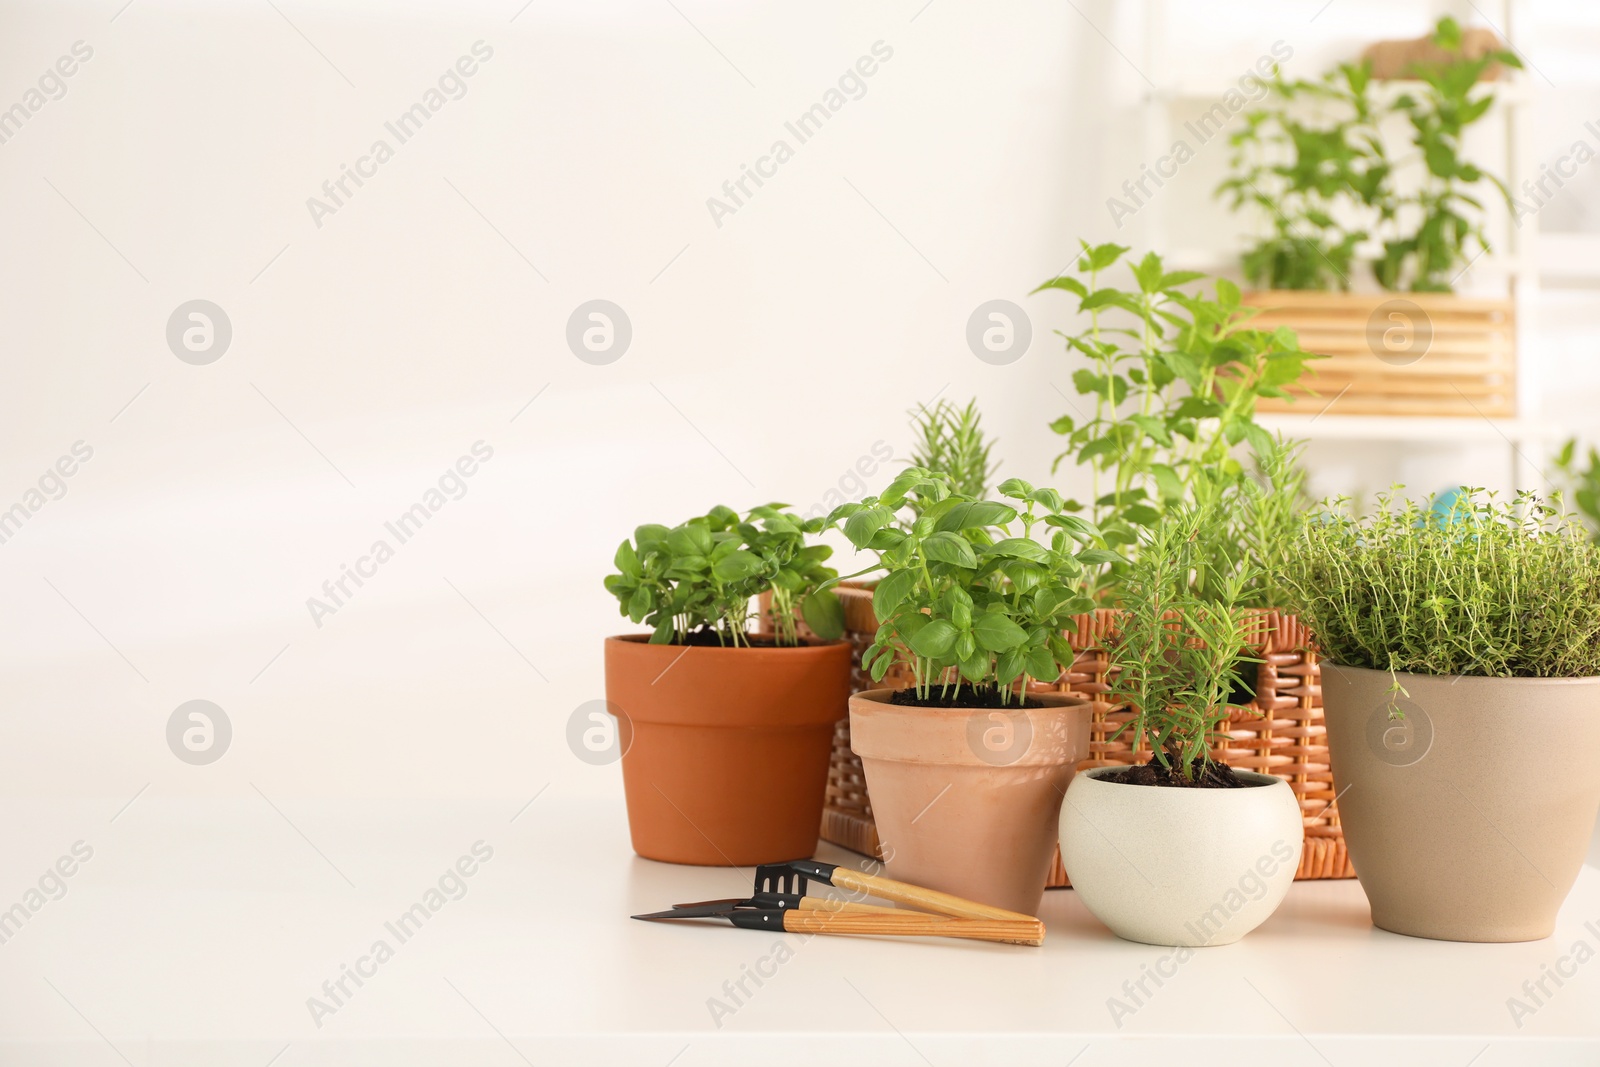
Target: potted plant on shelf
pixel 1181 850
pixel 725 733
pixel 1580 485
pixel 1462 685
pixel 966 769
pixel 1317 162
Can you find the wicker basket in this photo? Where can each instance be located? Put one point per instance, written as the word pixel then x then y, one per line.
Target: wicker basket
pixel 1397 353
pixel 1288 739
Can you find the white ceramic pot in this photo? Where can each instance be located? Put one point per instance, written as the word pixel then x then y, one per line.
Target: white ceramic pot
pixel 1185 867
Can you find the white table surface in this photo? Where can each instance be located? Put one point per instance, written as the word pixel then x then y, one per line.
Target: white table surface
pixel 198 930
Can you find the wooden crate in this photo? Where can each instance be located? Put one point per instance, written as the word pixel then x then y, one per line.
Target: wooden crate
pixel 1397 353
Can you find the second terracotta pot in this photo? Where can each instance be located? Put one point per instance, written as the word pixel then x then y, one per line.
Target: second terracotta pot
pixel 1467 819
pixel 966 800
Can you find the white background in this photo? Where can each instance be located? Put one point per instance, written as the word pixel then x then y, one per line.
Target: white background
pixel 769 354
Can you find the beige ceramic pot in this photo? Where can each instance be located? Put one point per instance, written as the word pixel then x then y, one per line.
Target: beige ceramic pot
pixel 966 800
pixel 1468 818
pixel 1185 867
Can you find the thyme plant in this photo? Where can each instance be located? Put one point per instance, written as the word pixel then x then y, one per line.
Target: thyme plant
pixel 693 583
pixel 969 591
pixel 1509 590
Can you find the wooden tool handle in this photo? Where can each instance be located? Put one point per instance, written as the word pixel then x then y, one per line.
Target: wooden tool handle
pixel 1026 932
pixel 833 905
pixel 917 896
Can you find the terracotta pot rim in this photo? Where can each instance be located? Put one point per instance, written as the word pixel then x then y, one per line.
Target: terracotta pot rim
pixel 1050 700
pixel 1268 780
pixel 807 644
pixel 1471 679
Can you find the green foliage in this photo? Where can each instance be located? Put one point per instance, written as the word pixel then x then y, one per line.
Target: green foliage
pixel 967 590
pixel 1262 519
pixel 700 576
pixel 1176 653
pixel 1174 380
pixel 951 440
pixel 1580 485
pixel 1296 171
pixel 1480 588
pixel 1428 255
pixel 1315 162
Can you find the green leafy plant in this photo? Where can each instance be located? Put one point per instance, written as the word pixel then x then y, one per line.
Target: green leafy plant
pixel 1176 653
pixel 1480 588
pixel 1444 218
pixel 693 583
pixel 1315 162
pixel 1262 519
pixel 1580 485
pixel 968 593
pixel 1297 170
pixel 1174 380
pixel 951 440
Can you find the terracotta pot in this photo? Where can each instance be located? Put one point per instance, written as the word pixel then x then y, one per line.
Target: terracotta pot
pixel 1185 867
pixel 1468 818
pixel 966 800
pixel 725 750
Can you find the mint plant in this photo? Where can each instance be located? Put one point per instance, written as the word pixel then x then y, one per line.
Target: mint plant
pixel 1428 254
pixel 693 583
pixel 1317 165
pixel 1580 484
pixel 1297 169
pixel 1174 379
pixel 968 591
pixel 1176 653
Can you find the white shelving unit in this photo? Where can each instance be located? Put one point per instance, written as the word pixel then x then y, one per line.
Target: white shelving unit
pixel 1514 264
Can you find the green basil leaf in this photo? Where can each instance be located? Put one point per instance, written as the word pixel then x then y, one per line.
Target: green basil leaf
pixel 1019 548
pixel 934 640
pixel 975 513
pixel 891 592
pixel 950 548
pixel 824 614
pixel 997 633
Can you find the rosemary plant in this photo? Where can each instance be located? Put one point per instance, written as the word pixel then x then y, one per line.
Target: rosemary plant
pixel 951 440
pixel 1176 653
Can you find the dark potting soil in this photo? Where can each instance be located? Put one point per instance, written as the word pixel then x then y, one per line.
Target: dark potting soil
pixel 708 638
pixel 966 697
pixel 1214 776
pixel 1244 689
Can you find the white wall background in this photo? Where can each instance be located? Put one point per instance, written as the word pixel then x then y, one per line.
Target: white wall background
pixel 769 354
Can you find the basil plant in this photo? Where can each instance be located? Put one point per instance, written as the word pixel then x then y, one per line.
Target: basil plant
pixel 968 593
pixel 693 583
